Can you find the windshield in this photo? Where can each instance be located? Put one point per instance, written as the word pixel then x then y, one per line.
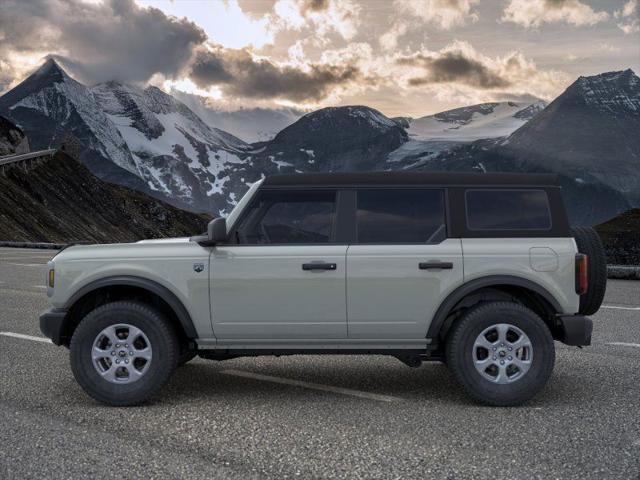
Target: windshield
pixel 233 216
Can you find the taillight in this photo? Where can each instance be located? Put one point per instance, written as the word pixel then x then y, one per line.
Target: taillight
pixel 582 275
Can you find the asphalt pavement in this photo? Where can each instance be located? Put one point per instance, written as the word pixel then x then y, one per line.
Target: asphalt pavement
pixel 315 416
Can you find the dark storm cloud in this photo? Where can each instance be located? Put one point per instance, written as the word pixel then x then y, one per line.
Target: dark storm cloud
pixel 453 66
pixel 315 5
pixel 236 72
pixel 114 40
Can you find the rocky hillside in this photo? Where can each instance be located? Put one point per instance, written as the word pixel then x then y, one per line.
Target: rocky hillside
pixel 60 201
pixel 12 140
pixel 620 238
pixel 150 141
pixel 588 135
pixel 591 131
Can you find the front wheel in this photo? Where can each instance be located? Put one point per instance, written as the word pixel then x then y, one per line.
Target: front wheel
pixel 502 353
pixel 123 352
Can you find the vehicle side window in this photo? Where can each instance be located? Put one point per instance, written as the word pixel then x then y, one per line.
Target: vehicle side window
pixel 507 210
pixel 289 218
pixel 401 216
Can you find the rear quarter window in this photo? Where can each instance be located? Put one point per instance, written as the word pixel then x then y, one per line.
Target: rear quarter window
pixel 506 209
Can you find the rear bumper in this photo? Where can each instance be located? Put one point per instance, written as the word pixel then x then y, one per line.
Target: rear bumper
pixel 53 325
pixel 575 330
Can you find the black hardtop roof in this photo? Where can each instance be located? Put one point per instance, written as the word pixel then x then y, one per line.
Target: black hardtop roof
pixel 413 178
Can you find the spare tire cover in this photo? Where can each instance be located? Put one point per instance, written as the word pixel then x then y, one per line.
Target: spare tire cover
pixel 589 243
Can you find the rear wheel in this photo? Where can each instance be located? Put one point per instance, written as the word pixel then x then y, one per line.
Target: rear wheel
pixel 502 353
pixel 122 353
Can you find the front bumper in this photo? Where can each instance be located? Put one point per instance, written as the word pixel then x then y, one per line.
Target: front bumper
pixel 53 324
pixel 574 330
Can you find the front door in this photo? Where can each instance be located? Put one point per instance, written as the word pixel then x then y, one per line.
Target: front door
pixel 284 276
pixel 401 265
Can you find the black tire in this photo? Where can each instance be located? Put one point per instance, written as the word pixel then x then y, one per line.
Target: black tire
pixel 164 344
pixel 186 356
pixel 460 346
pixel 589 243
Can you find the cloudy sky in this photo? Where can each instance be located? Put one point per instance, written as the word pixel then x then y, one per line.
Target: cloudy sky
pixel 404 57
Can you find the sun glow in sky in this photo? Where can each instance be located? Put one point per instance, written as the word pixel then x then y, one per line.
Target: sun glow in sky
pixel 403 57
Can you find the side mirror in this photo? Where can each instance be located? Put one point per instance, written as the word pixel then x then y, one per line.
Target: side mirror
pixel 217 230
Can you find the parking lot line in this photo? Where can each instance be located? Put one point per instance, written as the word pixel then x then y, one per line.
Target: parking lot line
pixel 313 386
pixel 624 344
pixel 26 337
pixel 616 307
pixel 28 264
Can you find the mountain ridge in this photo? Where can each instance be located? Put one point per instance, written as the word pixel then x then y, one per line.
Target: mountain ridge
pixel 174 154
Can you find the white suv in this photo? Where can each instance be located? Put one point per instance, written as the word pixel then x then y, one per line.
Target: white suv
pixel 480 271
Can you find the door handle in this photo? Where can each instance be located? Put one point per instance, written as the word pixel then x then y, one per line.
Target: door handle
pixel 319 266
pixel 435 265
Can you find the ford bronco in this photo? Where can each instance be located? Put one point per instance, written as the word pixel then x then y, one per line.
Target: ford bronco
pixel 479 271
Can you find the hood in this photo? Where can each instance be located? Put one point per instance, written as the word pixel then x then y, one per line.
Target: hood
pixel 166 240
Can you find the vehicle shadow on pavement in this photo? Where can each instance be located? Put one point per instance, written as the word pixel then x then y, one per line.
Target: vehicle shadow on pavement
pixel 430 382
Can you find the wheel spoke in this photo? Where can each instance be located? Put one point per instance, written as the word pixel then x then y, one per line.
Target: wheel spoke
pixel 110 333
pixel 133 373
pixel 502 329
pixel 98 353
pixel 482 341
pixel 521 342
pixel 133 333
pixel 502 376
pixel 110 375
pixel 144 353
pixel 523 365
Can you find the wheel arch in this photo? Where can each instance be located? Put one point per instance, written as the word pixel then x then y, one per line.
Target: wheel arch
pixel 120 287
pixel 491 288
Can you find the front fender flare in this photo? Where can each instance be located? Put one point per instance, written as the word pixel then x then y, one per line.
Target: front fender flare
pixel 154 287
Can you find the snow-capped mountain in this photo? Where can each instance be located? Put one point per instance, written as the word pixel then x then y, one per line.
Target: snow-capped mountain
pixel 174 151
pixel 591 130
pixel 335 139
pixel 146 139
pixel 50 104
pixel 141 138
pixel 590 135
pixel 466 124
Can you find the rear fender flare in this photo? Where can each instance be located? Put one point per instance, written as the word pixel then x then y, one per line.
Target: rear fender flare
pixel 468 288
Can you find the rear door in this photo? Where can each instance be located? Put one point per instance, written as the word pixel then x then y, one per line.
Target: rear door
pixel 284 278
pixel 401 265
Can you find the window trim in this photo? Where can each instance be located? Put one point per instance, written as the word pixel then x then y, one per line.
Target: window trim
pixel 518 229
pixel 335 224
pixel 445 212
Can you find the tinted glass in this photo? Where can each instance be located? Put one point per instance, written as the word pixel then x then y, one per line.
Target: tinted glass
pixel 508 210
pixel 401 216
pixel 289 217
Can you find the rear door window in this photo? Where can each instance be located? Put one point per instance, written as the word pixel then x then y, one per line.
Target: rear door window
pixel 401 216
pixel 525 209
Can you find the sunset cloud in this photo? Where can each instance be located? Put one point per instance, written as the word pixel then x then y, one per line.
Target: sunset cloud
pixel 459 69
pixel 533 13
pixel 115 40
pixel 323 16
pixel 239 73
pixel 444 14
pixel 629 17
